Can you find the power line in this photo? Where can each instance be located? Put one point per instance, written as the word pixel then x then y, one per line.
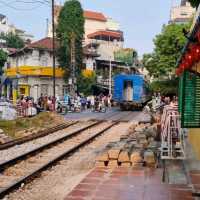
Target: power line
pixel 9 5
pixel 31 2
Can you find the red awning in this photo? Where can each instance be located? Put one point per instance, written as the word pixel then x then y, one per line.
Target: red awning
pixel 113 34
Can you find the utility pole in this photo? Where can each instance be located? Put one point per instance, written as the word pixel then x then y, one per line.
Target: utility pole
pixel 110 77
pixel 110 71
pixel 53 51
pixel 73 65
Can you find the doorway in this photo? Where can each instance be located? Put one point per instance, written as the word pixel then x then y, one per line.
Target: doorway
pixel 128 90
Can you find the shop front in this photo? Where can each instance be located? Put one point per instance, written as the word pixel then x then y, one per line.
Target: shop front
pixel 188 71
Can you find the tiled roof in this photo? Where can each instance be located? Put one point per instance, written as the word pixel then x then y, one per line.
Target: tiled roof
pixel 45 43
pixel 94 15
pixel 87 14
pixel 105 33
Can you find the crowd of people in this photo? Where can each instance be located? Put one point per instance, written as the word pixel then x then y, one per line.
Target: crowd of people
pixel 159 101
pixel 27 106
pixel 80 103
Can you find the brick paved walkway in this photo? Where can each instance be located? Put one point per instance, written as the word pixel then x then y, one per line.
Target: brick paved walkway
pixel 195 179
pixel 127 184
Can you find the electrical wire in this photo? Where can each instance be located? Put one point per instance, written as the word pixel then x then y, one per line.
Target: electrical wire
pixel 9 5
pixel 31 1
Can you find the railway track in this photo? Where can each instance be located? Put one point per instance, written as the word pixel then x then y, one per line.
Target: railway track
pixel 113 116
pixel 24 167
pixel 51 130
pixel 40 134
pixel 119 117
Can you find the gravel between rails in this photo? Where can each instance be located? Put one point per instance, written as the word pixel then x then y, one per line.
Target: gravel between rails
pixel 30 164
pixel 12 152
pixel 57 182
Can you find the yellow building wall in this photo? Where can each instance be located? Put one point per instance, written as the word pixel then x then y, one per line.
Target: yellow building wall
pixel 194 139
pixel 33 71
pixel 24 90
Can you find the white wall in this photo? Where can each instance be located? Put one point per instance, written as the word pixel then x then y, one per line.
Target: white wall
pixel 112 25
pixel 32 58
pixel 90 63
pixel 5 28
pixel 36 84
pixel 184 12
pixel 106 49
pixel 92 26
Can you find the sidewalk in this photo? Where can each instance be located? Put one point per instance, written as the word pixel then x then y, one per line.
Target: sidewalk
pixel 128 184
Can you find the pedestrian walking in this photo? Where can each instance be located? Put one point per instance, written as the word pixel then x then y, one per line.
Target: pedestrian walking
pixel 109 101
pixel 92 102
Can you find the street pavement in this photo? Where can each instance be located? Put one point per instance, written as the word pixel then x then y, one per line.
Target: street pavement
pixel 114 114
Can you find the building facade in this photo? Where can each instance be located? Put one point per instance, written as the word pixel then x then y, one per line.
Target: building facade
pixel 101 32
pixel 29 71
pixel 181 13
pixel 103 38
pixel 6 27
pixel 188 70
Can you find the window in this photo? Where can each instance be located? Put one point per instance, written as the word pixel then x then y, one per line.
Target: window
pixel 44 89
pixel 22 91
pixel 184 14
pixel 8 65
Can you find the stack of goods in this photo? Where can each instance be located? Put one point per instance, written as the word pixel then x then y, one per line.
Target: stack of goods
pixel 137 148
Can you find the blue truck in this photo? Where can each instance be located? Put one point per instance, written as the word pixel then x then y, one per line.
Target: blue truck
pixel 131 91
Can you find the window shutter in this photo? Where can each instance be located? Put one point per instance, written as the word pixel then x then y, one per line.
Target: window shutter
pixel 189 101
pixel 180 93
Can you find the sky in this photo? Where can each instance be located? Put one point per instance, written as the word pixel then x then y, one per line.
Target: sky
pixel 139 20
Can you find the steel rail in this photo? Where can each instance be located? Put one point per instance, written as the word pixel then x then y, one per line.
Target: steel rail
pixel 44 133
pixel 17 184
pixel 31 137
pixel 12 161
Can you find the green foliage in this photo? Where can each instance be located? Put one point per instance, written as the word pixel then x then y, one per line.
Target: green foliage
pixel 194 3
pixel 3 58
pixel 165 87
pixel 12 40
pixel 127 56
pixel 70 24
pixel 168 47
pixel 85 84
pixel 11 127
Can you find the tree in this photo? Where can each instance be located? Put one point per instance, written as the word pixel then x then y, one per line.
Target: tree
pixel 168 46
pixel 3 58
pixel 12 40
pixel 126 55
pixel 70 24
pixel 165 87
pixel 194 3
pixel 86 83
